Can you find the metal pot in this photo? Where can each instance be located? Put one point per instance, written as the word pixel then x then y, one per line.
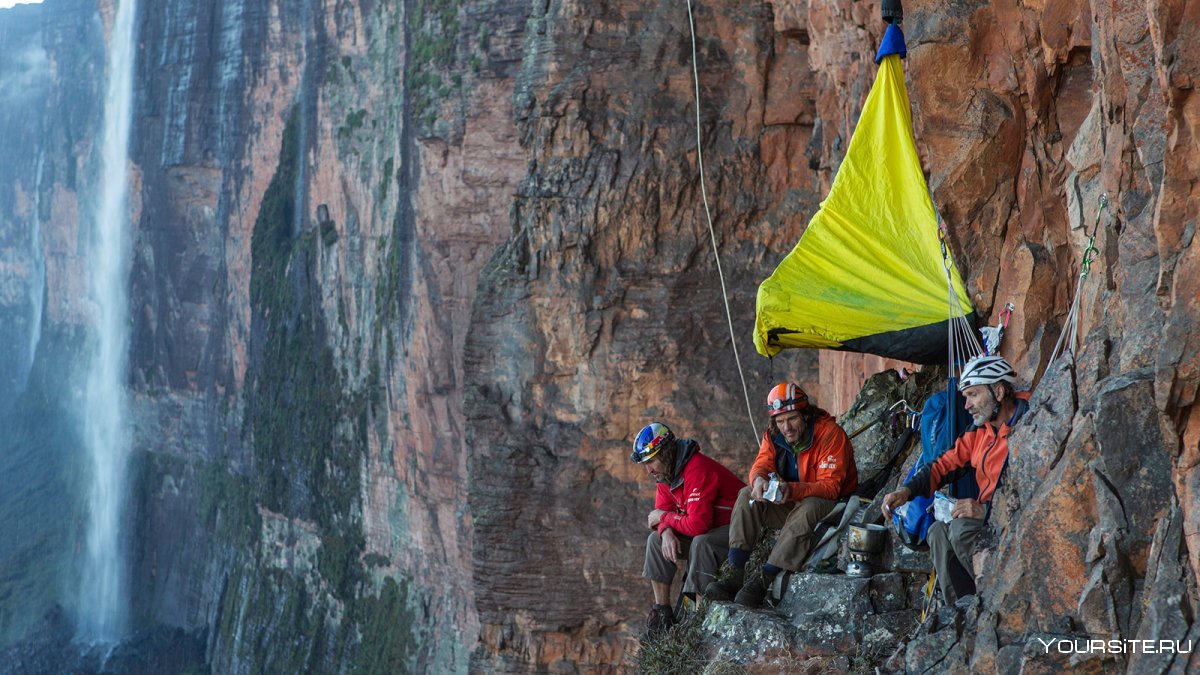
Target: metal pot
pixel 867 539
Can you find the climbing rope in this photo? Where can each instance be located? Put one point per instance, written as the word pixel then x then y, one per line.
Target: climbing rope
pixel 962 344
pixel 1068 339
pixel 712 233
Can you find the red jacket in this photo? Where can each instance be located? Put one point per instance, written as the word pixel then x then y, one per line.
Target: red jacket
pixel 701 497
pixel 826 466
pixel 984 449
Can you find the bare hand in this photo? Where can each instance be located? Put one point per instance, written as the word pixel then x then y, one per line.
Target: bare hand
pixel 967 508
pixel 895 499
pixel 654 518
pixel 756 490
pixel 670 545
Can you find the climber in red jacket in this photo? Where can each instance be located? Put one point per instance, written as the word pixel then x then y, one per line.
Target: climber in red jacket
pixel 995 408
pixel 690 517
pixel 813 462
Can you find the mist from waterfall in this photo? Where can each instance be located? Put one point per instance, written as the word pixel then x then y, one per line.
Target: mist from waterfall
pixel 103 604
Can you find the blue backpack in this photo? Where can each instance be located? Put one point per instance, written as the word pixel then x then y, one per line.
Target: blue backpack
pixel 943 420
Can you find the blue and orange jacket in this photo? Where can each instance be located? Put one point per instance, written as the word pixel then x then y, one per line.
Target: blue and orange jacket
pixel 984 449
pixel 701 496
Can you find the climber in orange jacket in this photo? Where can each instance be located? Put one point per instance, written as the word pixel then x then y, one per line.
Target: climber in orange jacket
pixel 813 461
pixel 690 518
pixel 995 408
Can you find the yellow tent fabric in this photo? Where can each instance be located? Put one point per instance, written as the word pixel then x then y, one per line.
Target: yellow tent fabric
pixel 867 274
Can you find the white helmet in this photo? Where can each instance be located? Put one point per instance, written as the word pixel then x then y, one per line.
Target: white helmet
pixel 986 370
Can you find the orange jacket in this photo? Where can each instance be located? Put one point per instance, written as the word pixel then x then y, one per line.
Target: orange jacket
pixel 826 466
pixel 984 449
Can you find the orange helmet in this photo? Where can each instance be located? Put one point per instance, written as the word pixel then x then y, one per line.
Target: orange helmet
pixel 786 397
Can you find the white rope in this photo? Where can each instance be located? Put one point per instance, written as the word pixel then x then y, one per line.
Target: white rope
pixel 1068 340
pixel 963 342
pixel 712 233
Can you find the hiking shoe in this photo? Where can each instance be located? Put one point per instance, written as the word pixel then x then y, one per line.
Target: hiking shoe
pixel 753 592
pixel 661 618
pixel 726 589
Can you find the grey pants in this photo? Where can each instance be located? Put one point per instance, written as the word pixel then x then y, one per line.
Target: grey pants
pixel 794 520
pixel 704 553
pixel 951 547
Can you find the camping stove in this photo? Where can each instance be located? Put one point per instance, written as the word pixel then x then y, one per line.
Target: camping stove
pixel 863 544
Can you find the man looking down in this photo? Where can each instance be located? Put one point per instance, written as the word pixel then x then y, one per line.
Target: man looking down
pixel 995 408
pixel 690 518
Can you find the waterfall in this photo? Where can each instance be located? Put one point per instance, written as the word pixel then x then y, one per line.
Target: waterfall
pixel 103 607
pixel 37 286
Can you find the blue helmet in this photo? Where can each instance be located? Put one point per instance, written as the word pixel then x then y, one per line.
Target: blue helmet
pixel 652 438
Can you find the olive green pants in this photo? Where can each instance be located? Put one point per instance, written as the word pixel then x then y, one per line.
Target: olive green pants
pixel 951 547
pixel 794 520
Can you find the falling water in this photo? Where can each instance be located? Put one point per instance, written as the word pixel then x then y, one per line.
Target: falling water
pixel 102 601
pixel 37 286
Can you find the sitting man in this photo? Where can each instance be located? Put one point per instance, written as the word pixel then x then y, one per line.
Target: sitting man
pixel 690 517
pixel 995 408
pixel 813 459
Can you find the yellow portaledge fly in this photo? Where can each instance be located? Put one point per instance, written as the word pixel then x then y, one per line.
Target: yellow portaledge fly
pixel 867 274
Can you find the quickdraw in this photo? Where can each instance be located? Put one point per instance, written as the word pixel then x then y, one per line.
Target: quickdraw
pixel 904 418
pixel 1091 252
pixel 1070 335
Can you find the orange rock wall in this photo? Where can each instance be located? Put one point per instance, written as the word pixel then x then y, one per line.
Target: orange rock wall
pixel 604 296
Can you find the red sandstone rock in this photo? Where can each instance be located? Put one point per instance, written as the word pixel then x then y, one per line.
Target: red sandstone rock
pixel 1023 115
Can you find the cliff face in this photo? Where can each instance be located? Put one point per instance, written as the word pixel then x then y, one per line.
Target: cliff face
pixel 1064 103
pixel 314 189
pixel 606 305
pixel 330 181
pixel 603 310
pixel 408 276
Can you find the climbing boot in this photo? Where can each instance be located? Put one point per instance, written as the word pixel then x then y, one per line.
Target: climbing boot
pixel 661 618
pixel 725 589
pixel 753 592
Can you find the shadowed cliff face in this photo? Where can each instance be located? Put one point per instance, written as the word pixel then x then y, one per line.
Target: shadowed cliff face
pixel 333 176
pixel 603 311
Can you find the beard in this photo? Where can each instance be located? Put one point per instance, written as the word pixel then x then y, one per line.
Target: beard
pixel 986 413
